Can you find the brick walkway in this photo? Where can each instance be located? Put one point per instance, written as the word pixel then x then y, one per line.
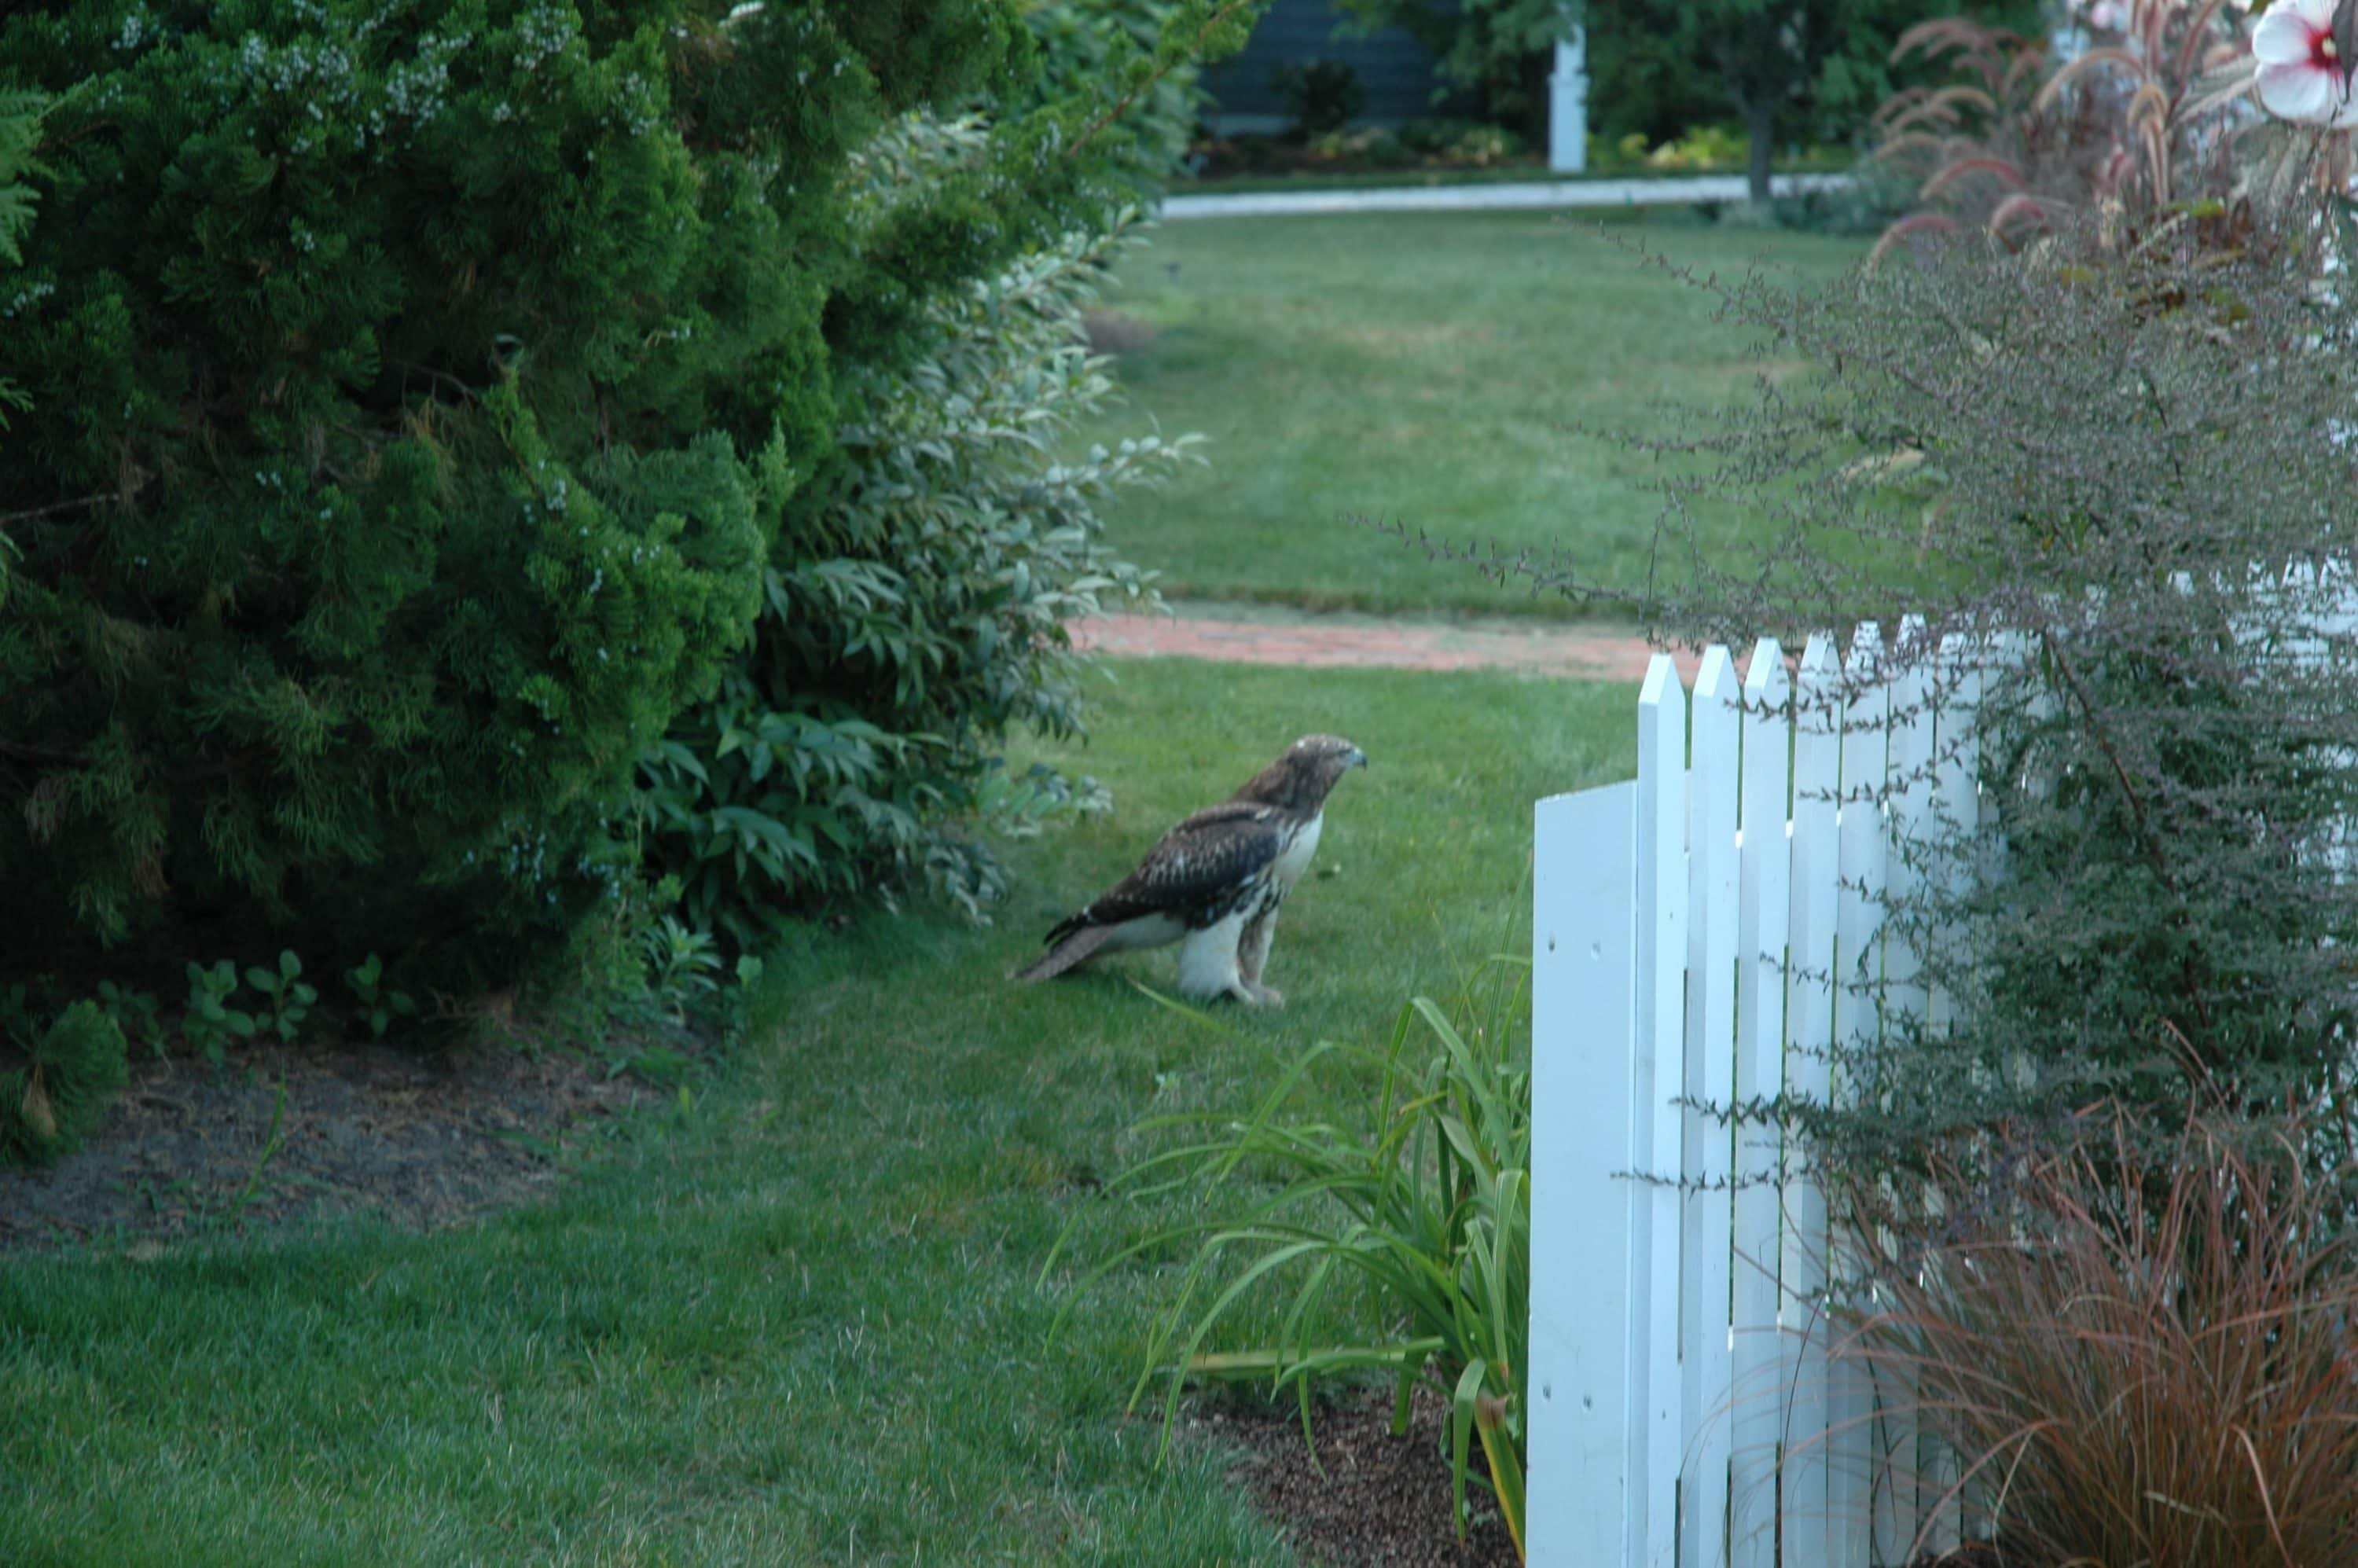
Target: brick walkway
pixel 1261 636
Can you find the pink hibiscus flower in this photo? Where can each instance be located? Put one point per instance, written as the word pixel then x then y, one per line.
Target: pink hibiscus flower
pixel 2302 74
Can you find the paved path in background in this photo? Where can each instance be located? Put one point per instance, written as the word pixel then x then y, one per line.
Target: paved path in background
pixel 1261 635
pixel 1492 198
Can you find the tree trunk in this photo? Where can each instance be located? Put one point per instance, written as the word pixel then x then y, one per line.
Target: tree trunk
pixel 1760 125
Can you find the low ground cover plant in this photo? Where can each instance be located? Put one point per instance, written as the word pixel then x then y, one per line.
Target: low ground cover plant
pixel 1418 1214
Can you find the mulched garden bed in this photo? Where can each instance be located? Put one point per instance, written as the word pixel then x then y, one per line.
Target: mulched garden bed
pixel 421 1138
pixel 1369 1499
pixel 1383 1501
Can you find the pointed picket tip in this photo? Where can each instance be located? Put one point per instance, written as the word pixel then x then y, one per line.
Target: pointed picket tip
pixel 1662 680
pixel 1715 676
pixel 1914 647
pixel 1819 662
pixel 1865 650
pixel 1766 681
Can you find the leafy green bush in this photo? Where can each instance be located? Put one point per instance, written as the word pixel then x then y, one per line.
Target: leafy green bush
pixel 413 399
pixel 1321 95
pixel 1084 44
pixel 918 614
pixel 2117 462
pixel 1427 1203
pixel 20 126
pixel 76 1067
pixel 1498 49
pixel 416 398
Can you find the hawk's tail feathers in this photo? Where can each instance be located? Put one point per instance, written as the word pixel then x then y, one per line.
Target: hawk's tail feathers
pixel 1077 921
pixel 1070 953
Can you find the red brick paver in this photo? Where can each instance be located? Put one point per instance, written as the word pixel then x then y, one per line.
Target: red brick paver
pixel 1589 653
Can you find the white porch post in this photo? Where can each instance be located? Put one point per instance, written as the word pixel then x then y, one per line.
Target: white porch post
pixel 1568 104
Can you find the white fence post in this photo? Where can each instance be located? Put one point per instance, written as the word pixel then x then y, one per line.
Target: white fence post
pixel 1809 1040
pixel 1707 1156
pixel 1897 1521
pixel 1568 105
pixel 1661 1035
pixel 1852 1458
pixel 1956 805
pixel 1590 1314
pixel 1761 914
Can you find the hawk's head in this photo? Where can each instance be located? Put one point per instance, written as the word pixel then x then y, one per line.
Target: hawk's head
pixel 1301 778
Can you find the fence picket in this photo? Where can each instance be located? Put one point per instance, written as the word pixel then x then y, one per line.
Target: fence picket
pixel 1808 1034
pixel 1897 1518
pixel 1746 1432
pixel 1585 1321
pixel 1710 1081
pixel 1661 962
pixel 1761 914
pixel 1956 806
pixel 1854 1467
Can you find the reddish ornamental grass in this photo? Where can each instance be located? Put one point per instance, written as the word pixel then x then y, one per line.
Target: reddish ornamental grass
pixel 2143 1360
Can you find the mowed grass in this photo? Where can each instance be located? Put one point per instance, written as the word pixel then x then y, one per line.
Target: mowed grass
pixel 1435 370
pixel 804 1323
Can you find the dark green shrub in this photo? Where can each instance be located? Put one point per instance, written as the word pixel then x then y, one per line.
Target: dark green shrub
pixel 20 126
pixel 411 403
pixel 1320 95
pixel 1085 45
pixel 48 1105
pixel 1499 50
pixel 415 395
pixel 918 613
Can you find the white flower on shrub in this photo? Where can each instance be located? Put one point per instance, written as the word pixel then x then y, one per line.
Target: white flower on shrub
pixel 2302 74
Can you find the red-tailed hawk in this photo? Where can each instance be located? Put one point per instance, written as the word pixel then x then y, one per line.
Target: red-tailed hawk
pixel 1216 881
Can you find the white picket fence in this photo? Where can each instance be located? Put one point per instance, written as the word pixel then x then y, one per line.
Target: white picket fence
pixel 1689 932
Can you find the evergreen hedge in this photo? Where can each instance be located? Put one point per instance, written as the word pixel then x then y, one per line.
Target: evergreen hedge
pixel 415 392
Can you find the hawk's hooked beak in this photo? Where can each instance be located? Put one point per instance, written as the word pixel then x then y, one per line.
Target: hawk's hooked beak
pixel 1358 757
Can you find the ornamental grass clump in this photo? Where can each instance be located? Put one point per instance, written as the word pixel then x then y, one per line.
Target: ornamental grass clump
pixel 1420 1206
pixel 2141 1357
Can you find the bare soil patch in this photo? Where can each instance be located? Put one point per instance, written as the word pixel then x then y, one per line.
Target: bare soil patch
pixel 422 1137
pixel 1368 1499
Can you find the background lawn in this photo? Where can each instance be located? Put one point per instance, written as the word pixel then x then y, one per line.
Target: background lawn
pixel 803 1322
pixel 1425 368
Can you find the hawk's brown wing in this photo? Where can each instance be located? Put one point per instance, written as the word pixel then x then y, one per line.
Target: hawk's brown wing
pixel 1204 858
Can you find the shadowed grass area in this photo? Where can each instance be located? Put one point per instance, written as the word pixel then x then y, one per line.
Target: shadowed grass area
pixel 1427 369
pixel 804 1322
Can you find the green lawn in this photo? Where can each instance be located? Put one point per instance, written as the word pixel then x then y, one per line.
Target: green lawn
pixel 803 1322
pixel 1428 368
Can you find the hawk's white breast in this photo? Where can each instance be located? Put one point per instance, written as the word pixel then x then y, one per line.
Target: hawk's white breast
pixel 1294 858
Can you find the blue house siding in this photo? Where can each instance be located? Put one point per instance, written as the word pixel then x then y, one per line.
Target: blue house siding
pixel 1393 67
